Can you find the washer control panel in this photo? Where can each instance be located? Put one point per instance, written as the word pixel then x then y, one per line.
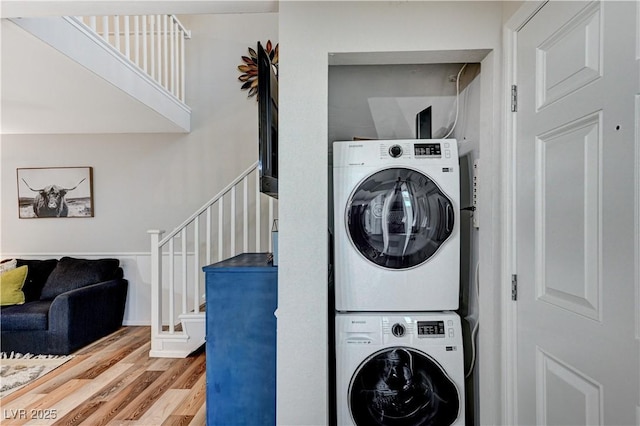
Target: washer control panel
pixel 430 328
pixel 437 328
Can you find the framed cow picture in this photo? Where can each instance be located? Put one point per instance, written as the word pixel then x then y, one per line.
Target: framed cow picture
pixel 55 192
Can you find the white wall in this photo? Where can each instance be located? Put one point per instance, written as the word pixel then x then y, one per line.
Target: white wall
pixel 311 31
pixel 381 101
pixel 510 7
pixel 146 181
pixel 467 132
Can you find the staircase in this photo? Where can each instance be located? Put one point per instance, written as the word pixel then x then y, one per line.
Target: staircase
pixel 237 220
pixel 141 57
pixel 144 57
pixel 154 43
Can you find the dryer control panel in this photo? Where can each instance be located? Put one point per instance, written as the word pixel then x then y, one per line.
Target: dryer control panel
pixel 415 150
pixel 421 150
pixel 410 152
pixel 418 150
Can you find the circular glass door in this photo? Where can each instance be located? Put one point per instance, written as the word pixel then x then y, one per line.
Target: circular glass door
pixel 401 386
pixel 398 218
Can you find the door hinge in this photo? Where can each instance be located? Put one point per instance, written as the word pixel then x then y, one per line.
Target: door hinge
pixel 514 287
pixel 514 98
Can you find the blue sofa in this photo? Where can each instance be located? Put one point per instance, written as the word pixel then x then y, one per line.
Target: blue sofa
pixel 69 303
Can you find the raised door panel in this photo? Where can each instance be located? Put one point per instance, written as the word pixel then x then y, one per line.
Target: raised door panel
pixel 567 215
pixel 564 395
pixel 570 58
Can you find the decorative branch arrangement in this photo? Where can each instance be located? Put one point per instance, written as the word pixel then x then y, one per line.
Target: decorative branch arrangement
pixel 249 68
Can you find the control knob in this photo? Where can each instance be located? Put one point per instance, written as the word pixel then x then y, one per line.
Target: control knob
pixel 398 330
pixel 395 151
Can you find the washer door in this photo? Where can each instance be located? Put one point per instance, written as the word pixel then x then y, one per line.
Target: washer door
pixel 398 218
pixel 401 386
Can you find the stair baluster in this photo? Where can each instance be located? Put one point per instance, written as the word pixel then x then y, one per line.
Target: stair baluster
pixel 167 339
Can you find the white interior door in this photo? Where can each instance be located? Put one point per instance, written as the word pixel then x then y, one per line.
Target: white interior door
pixel 577 354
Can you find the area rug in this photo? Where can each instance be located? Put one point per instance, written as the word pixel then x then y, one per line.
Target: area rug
pixel 18 370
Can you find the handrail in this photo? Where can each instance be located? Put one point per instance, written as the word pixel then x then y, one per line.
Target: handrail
pixel 180 277
pixel 187 33
pixel 154 43
pixel 209 203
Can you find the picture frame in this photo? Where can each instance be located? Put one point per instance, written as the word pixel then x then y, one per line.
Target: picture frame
pixel 55 192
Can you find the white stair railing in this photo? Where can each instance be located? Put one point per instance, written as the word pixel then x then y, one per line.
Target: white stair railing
pixel 155 43
pixel 237 220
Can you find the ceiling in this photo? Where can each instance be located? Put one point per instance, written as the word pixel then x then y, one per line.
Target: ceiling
pixel 45 92
pixel 33 8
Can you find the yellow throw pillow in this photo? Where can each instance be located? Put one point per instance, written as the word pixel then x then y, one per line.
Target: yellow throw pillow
pixel 11 283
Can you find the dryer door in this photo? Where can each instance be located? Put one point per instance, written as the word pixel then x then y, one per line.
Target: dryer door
pixel 400 386
pixel 398 218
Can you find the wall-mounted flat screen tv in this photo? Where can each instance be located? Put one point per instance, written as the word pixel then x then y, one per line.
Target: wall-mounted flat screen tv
pixel 267 124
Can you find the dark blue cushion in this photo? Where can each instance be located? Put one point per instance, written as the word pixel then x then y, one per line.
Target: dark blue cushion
pixel 37 273
pixel 71 273
pixel 30 316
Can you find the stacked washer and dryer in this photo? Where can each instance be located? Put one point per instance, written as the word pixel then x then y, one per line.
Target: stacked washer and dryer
pixel 399 353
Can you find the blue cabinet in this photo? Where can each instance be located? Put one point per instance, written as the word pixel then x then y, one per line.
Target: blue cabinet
pixel 241 298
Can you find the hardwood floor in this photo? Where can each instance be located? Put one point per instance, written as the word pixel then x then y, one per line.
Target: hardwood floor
pixel 114 382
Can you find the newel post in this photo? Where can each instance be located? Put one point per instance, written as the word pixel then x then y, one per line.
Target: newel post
pixel 156 287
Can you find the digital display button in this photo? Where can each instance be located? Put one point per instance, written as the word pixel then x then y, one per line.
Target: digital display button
pixel 427 150
pixel 430 328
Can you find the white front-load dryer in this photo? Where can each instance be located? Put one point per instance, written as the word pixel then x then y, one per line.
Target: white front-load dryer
pixel 396 218
pixel 397 369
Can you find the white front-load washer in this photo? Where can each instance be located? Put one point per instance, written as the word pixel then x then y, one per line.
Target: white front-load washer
pixel 396 219
pixel 397 369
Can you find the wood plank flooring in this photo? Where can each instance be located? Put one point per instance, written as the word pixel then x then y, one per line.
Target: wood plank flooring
pixel 114 382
